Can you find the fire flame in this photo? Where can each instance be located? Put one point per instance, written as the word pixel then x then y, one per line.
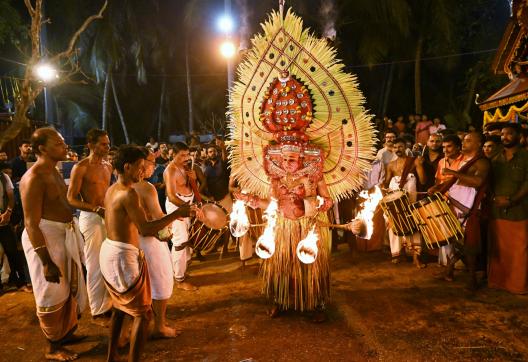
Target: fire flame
pixel 265 246
pixel 369 206
pixel 238 219
pixel 307 248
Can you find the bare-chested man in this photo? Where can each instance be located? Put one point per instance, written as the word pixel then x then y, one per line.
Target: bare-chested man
pixel 52 245
pixel 89 181
pixel 466 195
pixel 157 252
pixel 179 192
pixel 408 169
pixel 123 264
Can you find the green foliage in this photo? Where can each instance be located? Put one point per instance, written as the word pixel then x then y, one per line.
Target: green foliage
pixel 11 28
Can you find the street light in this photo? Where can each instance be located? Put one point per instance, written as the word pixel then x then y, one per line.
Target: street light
pixel 226 24
pixel 227 49
pixel 45 72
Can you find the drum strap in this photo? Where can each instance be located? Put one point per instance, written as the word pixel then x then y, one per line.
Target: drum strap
pixel 409 162
pixel 183 246
pixel 465 210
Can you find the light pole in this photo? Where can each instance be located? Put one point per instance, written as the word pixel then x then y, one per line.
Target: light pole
pixel 226 25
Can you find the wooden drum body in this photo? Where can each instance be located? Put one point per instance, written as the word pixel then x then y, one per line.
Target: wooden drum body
pixel 397 208
pixel 436 221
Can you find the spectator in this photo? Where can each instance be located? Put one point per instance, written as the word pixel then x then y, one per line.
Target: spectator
pixel 7 237
pixel 386 154
pixel 163 157
pixel 422 130
pixel 432 155
pixel 400 126
pixel 19 163
pixel 436 127
pixel 492 146
pixel 152 143
pixel 3 156
pixel 508 259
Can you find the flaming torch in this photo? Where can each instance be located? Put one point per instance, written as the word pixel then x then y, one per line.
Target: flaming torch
pixel 369 206
pixel 307 247
pixel 265 246
pixel 238 219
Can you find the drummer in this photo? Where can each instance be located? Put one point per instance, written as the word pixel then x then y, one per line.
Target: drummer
pixel 465 196
pixel 402 173
pixel 179 192
pixel 453 160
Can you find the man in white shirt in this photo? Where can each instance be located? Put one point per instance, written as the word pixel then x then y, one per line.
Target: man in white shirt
pixel 386 154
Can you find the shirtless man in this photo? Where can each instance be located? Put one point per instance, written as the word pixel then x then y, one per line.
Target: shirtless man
pixel 89 181
pixel 413 168
pixel 52 245
pixel 123 264
pixel 466 196
pixel 157 252
pixel 179 193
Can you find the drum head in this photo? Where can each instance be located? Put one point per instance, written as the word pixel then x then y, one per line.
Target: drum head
pixel 394 195
pixel 215 216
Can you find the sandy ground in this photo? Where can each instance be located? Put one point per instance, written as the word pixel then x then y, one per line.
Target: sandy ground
pixel 378 311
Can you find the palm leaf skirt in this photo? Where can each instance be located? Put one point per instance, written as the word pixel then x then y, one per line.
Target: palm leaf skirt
pixel 287 281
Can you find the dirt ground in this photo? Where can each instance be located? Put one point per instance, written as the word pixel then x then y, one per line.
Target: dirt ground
pixel 378 311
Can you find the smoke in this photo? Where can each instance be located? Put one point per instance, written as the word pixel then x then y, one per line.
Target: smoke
pixel 244 28
pixel 328 19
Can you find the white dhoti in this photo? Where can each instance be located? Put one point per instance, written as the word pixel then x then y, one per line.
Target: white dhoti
pixel 123 270
pixel 5 270
pixel 58 304
pixel 159 265
pixel 410 242
pixel 94 232
pixel 181 252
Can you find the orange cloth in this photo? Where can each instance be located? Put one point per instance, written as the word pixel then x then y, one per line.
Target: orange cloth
pixel 57 321
pixel 508 264
pixel 137 300
pixel 454 165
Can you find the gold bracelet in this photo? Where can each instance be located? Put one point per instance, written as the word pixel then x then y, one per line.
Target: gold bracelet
pixel 39 247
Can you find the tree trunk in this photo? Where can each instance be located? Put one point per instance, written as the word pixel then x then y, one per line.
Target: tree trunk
pixel 106 92
pixel 388 87
pixel 161 105
pixel 418 77
pixel 189 93
pixel 118 107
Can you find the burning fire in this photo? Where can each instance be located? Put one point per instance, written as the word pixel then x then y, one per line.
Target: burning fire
pixel 238 219
pixel 369 206
pixel 307 247
pixel 265 246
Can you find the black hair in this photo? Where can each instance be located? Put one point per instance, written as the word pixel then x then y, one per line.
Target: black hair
pixel 515 126
pixel 24 141
pixel 128 154
pixel 399 140
pixel 453 138
pixel 179 146
pixel 94 134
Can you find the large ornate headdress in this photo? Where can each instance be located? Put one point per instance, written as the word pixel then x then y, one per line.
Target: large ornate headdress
pixel 293 95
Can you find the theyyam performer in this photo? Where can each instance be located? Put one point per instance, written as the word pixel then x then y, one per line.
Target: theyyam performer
pixel 53 245
pixel 300 140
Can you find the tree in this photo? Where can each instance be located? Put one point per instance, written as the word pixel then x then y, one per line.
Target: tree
pixel 31 87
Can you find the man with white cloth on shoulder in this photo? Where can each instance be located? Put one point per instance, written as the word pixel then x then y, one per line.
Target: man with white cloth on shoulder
pixel 180 192
pixel 123 264
pixel 402 173
pixel 52 245
pixel 90 179
pixel 466 190
pixel 156 251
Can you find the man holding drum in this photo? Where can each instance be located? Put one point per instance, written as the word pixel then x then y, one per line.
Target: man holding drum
pixel 465 195
pixel 179 193
pixel 402 174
